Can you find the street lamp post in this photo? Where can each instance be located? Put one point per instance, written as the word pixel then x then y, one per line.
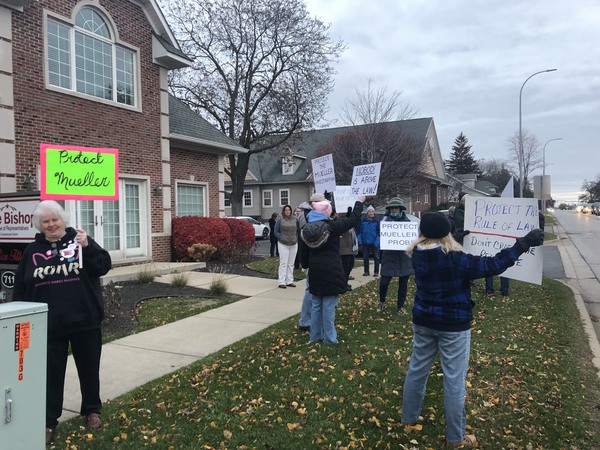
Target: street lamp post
pixel 521 155
pixel 543 205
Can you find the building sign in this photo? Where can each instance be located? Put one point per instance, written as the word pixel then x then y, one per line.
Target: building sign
pixel 16 215
pixel 79 173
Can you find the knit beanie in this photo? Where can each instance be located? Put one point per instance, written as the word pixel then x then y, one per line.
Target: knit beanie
pixel 324 207
pixel 434 225
pixel 370 208
pixel 316 197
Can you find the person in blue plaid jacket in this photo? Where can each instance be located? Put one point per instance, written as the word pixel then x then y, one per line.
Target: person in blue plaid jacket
pixel 442 315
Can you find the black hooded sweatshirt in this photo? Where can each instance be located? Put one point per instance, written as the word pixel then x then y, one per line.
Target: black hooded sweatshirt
pixel 50 273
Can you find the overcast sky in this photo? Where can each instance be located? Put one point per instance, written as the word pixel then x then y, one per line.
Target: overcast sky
pixel 463 63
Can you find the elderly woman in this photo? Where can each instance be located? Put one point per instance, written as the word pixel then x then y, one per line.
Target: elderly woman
pixel 50 272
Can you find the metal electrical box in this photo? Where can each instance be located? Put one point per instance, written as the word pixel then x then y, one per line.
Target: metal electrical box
pixel 23 337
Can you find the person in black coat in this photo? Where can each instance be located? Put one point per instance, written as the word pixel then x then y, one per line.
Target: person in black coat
pixel 321 256
pixel 274 251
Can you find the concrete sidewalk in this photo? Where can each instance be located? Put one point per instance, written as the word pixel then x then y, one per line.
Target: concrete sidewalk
pixel 132 361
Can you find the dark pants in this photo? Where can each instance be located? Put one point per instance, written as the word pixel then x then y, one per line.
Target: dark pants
pixel 367 249
pixel 489 285
pixel 384 284
pixel 347 264
pixel 86 347
pixel 274 250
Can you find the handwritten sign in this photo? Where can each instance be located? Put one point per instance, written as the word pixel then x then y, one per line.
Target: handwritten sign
pixel 323 174
pixel 79 173
pixel 397 235
pixel 365 179
pixel 343 199
pixel 494 223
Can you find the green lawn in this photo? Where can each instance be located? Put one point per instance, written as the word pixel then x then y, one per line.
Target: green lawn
pixel 531 385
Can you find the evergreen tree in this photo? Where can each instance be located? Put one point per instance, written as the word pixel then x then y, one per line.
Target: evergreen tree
pixel 461 159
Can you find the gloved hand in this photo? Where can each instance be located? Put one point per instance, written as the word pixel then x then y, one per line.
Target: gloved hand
pixel 360 198
pixel 531 239
pixel 349 212
pixel 459 234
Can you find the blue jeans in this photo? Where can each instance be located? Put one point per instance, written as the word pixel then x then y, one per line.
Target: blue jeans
pixel 454 348
pixel 367 248
pixel 305 312
pixel 322 321
pixel 489 285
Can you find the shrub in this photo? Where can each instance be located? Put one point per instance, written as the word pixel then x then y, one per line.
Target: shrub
pixel 179 279
pixel 111 295
pixel 201 252
pixel 188 231
pixel 242 241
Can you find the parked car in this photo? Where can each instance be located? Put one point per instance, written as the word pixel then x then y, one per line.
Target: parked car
pixel 261 231
pixel 596 208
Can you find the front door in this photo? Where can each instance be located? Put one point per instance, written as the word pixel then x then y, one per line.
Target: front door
pixel 121 226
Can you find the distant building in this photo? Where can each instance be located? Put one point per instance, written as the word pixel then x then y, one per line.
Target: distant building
pixel 284 176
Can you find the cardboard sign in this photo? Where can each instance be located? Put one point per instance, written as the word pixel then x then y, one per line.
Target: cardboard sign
pixel 397 235
pixel 79 173
pixel 323 174
pixel 494 223
pixel 365 179
pixel 343 199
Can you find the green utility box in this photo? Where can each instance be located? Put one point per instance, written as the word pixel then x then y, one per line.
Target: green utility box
pixel 23 336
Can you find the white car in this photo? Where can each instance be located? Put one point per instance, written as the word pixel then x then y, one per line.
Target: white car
pixel 261 231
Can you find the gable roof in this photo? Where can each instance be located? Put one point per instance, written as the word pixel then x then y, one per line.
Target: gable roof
pixel 190 130
pixel 266 166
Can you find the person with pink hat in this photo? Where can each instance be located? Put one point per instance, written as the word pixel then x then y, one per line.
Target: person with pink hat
pixel 321 256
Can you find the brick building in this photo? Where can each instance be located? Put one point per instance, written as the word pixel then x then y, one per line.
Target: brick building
pixel 93 73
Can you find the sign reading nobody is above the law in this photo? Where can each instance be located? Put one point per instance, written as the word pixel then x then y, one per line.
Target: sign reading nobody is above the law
pixel 494 223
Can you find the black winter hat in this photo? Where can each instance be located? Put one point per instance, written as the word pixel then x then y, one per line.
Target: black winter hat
pixel 434 225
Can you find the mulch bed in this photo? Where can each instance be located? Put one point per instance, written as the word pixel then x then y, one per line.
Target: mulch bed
pixel 121 299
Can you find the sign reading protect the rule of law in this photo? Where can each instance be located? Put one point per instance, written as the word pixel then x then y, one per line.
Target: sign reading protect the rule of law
pixel 494 223
pixel 79 173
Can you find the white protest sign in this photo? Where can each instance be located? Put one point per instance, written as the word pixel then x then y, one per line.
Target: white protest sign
pixel 397 235
pixel 343 199
pixel 323 174
pixel 365 179
pixel 494 223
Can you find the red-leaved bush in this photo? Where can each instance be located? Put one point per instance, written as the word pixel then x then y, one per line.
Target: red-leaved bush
pixel 199 230
pixel 242 240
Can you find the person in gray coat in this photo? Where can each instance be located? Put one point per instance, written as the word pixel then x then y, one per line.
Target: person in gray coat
pixel 395 263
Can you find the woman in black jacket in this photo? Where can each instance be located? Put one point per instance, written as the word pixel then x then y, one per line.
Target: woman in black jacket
pixel 321 256
pixel 62 268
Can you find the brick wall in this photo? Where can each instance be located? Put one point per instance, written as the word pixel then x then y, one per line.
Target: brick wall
pixel 43 115
pixel 201 167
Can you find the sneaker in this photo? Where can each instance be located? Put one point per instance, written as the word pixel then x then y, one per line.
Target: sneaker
pixel 468 441
pixel 49 435
pixel 375 275
pixel 282 286
pixel 380 307
pixel 401 312
pixel 93 421
pixel 301 328
pixel 291 285
pixel 366 274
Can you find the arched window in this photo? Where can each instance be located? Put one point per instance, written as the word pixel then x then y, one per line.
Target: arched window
pixel 85 58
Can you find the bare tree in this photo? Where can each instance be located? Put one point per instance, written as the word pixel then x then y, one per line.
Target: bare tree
pixel 495 171
pixel 375 106
pixel 262 70
pixel 532 157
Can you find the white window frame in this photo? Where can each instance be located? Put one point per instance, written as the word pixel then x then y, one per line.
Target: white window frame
pixel 114 42
pixel 418 197
pixel 281 202
pixel 246 197
pixel 203 186
pixel 426 202
pixel 264 202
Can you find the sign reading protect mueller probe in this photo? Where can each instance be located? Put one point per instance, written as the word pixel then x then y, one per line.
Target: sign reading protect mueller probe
pixel 79 173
